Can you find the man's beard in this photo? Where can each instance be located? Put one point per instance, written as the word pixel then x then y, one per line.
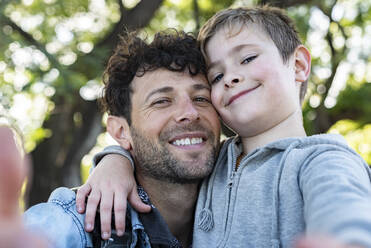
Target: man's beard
pixel 156 161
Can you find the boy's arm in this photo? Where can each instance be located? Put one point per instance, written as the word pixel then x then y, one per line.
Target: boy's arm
pixel 336 188
pixel 321 242
pixel 13 171
pixel 110 184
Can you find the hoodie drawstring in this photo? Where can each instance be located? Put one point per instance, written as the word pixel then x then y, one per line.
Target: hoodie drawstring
pixel 205 217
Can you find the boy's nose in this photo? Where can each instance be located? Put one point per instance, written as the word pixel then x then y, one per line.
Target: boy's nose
pixel 231 81
pixel 187 112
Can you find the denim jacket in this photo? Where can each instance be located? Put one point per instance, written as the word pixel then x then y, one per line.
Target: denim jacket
pixel 63 226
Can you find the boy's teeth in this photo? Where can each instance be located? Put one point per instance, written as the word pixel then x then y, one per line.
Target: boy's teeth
pixel 187 141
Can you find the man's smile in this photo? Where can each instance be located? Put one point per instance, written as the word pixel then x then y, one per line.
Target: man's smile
pixel 190 140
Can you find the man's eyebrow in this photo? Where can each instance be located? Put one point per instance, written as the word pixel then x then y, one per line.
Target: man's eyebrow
pixel 201 87
pixel 235 49
pixel 159 90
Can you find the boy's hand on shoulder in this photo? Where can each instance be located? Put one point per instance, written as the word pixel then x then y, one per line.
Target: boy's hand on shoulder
pixel 321 241
pixel 111 184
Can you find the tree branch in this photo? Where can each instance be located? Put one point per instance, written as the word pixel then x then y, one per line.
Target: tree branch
pixel 284 3
pixel 6 21
pixel 135 18
pixel 31 41
pixel 196 14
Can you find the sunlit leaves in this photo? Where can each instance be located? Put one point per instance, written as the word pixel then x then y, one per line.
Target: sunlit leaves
pixel 358 136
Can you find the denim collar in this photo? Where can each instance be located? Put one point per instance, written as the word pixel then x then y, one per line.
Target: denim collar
pixel 155 226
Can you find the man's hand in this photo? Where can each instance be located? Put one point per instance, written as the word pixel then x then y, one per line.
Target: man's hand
pixel 321 242
pixel 111 184
pixel 13 170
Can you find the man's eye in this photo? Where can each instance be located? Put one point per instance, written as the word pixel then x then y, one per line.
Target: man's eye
pixel 202 99
pixel 249 59
pixel 161 102
pixel 217 78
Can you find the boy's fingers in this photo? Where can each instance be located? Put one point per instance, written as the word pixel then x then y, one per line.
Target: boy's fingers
pixel 120 213
pixel 137 203
pixel 320 241
pixel 81 195
pixel 91 208
pixel 105 209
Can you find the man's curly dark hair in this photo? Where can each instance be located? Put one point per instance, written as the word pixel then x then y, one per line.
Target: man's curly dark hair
pixel 172 50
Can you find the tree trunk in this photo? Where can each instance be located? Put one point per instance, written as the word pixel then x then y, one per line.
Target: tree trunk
pixel 57 159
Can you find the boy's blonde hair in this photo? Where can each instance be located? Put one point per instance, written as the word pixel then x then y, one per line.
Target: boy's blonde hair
pixel 273 21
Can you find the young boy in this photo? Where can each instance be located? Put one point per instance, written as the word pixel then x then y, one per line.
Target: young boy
pixel 272 183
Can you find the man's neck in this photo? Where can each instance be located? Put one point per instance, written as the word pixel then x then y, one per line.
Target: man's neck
pixel 292 126
pixel 176 203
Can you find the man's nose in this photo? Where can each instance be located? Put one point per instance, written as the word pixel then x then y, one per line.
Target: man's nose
pixel 187 111
pixel 232 79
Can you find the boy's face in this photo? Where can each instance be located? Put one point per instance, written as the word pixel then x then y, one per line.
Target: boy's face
pixel 252 88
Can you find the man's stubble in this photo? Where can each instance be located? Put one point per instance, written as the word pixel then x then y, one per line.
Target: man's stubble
pixel 155 160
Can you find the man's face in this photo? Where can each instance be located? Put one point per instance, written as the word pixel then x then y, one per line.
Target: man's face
pixel 175 129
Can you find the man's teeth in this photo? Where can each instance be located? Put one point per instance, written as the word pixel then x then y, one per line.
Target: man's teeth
pixel 187 141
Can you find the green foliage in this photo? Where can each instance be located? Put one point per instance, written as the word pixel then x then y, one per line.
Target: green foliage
pixel 181 14
pixel 358 136
pixel 34 137
pixel 355 101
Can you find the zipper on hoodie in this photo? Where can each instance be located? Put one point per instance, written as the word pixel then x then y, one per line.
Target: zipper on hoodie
pixel 230 185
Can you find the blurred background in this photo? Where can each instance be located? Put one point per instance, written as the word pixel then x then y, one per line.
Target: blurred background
pixel 53 52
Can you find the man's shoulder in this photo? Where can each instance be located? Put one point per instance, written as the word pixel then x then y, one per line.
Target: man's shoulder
pixel 63 196
pixel 61 199
pixel 59 220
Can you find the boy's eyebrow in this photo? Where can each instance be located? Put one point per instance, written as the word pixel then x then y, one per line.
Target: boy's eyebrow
pixel 159 90
pixel 240 47
pixel 235 49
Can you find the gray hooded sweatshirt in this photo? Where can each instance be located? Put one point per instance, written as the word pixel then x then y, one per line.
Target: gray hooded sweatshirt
pixel 291 187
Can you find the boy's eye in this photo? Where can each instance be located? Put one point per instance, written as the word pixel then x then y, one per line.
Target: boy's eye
pixel 217 78
pixel 249 59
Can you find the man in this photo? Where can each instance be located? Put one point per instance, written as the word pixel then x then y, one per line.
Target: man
pixel 157 94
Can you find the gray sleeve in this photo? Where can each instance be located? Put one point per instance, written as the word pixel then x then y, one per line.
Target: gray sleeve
pixel 111 150
pixel 336 188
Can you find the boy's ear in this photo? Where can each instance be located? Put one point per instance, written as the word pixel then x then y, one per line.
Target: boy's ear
pixel 119 129
pixel 302 64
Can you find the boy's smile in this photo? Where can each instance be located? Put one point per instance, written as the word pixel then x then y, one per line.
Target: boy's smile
pixel 241 93
pixel 253 89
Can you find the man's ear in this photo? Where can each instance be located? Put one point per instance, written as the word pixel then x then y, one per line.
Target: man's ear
pixel 302 64
pixel 119 129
